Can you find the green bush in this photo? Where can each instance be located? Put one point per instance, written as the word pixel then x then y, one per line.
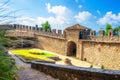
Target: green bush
pixel 7 64
pixel 91 66
pixel 35 51
pixel 38 53
pixel 7 68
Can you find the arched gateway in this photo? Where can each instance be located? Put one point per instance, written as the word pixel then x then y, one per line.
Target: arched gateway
pixel 71 48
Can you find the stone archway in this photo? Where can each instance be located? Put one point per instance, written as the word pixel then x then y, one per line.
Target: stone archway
pixel 71 48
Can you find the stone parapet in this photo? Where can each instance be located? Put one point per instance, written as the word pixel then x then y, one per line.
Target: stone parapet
pixel 50 34
pixel 18 33
pixel 105 38
pixel 75 73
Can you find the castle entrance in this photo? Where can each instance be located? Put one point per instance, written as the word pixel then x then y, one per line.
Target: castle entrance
pixel 71 49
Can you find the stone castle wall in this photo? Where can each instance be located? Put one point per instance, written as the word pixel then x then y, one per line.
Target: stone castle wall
pixel 102 54
pixel 51 43
pixel 100 50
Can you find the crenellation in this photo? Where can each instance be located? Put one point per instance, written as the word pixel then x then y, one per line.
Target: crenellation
pixel 23 27
pixel 110 33
pixel 101 33
pixel 40 28
pixel 51 34
pixel 16 26
pixel 64 34
pixel 30 28
pixel 33 28
pixel 11 26
pixel 48 30
pixel 26 27
pixel 87 34
pixel 36 28
pixel 54 31
pixel 59 31
pixel 92 33
pixel 19 26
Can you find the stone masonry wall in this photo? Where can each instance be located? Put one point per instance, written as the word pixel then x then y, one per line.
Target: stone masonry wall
pixel 102 54
pixel 75 73
pixel 51 44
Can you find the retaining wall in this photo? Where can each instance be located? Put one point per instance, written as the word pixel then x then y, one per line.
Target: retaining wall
pixel 75 73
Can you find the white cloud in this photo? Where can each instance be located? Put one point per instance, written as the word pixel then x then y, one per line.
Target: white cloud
pixel 62 15
pixel 25 20
pixel 111 18
pixel 57 10
pixel 80 6
pixel 87 19
pixel 83 16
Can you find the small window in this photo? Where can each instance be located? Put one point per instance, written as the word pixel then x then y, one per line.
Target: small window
pixel 81 35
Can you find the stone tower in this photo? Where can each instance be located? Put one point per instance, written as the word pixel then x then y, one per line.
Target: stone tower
pixel 73 35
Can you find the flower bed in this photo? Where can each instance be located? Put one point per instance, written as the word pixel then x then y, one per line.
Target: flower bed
pixel 34 54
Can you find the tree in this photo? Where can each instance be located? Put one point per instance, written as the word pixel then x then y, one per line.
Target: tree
pixel 117 28
pixel 108 27
pixel 46 26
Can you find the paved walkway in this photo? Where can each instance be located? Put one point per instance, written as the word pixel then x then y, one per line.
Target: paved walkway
pixel 74 61
pixel 25 72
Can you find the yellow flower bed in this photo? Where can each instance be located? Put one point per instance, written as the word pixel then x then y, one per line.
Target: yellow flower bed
pixel 33 54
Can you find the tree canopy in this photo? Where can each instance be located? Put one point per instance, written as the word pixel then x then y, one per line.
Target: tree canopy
pixel 108 27
pixel 117 28
pixel 46 26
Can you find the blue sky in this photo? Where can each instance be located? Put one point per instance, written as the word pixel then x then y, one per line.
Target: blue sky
pixel 94 14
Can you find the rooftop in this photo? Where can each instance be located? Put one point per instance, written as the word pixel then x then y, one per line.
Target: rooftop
pixel 77 27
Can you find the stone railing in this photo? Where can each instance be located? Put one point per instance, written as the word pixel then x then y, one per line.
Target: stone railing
pixel 75 73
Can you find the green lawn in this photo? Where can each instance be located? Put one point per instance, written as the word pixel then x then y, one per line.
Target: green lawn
pixel 33 54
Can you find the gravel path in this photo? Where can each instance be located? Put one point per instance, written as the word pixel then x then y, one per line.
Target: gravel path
pixel 25 72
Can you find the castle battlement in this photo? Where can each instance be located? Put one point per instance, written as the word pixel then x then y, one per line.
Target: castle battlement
pixel 30 31
pixel 25 30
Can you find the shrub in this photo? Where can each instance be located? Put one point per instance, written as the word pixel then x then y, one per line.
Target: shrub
pixel 7 68
pixel 91 66
pixel 36 51
pixel 102 67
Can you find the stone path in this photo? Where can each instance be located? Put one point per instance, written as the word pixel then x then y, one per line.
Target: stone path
pixel 25 72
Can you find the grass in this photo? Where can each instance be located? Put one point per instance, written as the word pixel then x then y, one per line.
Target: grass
pixel 33 54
